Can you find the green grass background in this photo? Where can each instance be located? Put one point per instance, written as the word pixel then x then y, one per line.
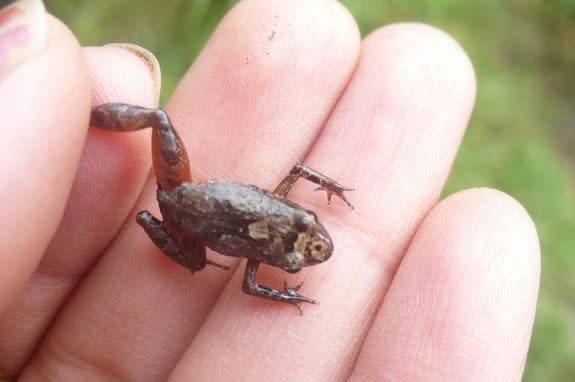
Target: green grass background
pixel 522 134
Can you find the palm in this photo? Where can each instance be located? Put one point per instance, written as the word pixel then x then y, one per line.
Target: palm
pixel 408 294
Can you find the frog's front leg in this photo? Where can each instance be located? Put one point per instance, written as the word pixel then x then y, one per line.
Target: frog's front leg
pixel 190 254
pixel 291 295
pixel 325 183
pixel 288 295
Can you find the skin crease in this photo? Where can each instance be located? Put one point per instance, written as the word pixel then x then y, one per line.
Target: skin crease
pixel 393 110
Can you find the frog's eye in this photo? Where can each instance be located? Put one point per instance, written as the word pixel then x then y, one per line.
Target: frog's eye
pixel 305 222
pixel 300 227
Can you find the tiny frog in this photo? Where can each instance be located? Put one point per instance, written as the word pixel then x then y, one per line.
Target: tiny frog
pixel 231 218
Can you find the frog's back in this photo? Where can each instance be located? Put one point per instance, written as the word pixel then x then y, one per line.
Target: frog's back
pixel 233 218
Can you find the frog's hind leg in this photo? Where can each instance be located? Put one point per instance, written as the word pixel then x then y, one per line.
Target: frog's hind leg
pixel 171 163
pixel 325 183
pixel 161 237
pixel 288 295
pixel 190 254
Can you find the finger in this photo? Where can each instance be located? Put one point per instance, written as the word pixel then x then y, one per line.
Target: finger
pixel 113 168
pixel 392 137
pixel 42 131
pixel 110 176
pixel 462 303
pixel 247 109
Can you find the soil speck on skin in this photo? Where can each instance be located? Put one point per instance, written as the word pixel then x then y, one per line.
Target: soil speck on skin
pixel 250 58
pixel 272 35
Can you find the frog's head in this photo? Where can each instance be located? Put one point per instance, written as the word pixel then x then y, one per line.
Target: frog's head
pixel 312 244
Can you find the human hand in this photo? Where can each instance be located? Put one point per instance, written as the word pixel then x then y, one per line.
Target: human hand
pixel 415 290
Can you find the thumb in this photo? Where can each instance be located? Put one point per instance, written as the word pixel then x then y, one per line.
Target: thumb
pixel 44 108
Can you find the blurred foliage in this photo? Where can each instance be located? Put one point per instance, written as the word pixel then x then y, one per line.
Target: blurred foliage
pixel 522 134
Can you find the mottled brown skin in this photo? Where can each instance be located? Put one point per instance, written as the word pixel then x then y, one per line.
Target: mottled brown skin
pixel 231 218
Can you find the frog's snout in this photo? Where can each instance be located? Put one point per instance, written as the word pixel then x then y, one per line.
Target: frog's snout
pixel 321 245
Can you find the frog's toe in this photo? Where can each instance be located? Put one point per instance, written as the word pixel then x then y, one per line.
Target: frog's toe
pixel 337 191
pixel 293 297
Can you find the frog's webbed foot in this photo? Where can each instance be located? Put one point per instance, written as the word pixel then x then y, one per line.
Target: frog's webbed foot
pixel 288 295
pixel 325 183
pixel 297 298
pixel 337 190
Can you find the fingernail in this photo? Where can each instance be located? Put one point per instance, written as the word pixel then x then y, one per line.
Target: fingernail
pixel 148 58
pixel 22 31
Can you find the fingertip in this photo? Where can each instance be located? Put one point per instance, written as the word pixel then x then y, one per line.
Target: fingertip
pixel 475 227
pixel 124 73
pixel 149 60
pixel 481 233
pixel 462 303
pixel 484 258
pixel 445 59
pixel 497 214
pixel 289 68
pixel 23 32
